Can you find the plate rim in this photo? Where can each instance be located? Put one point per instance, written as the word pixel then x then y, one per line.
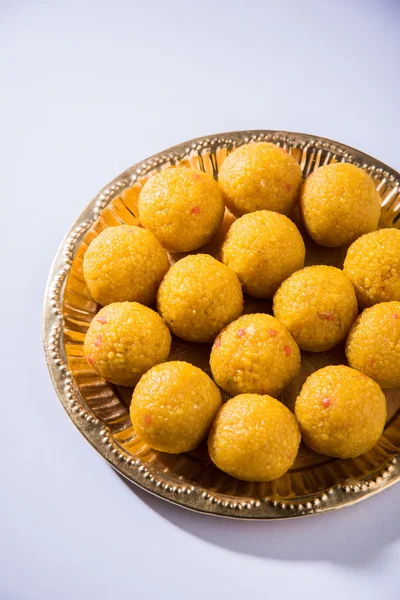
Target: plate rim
pixel 191 497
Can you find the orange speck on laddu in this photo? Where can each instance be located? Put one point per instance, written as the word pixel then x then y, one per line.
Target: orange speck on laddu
pixel 327 315
pixel 288 350
pixel 147 419
pixel 396 316
pixel 326 402
pixel 97 340
pixel 272 332
pixel 288 187
pixel 370 361
pixel 218 342
pixel 241 332
pixel 195 210
pixel 197 176
pixel 102 320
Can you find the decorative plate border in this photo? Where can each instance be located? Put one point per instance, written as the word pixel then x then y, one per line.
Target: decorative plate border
pixel 189 496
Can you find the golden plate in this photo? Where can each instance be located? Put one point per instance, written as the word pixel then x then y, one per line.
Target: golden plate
pixel 100 410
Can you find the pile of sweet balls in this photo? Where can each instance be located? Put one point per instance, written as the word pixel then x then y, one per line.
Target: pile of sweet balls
pixel 341 410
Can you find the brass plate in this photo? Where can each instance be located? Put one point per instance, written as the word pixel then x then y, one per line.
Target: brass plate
pixel 100 410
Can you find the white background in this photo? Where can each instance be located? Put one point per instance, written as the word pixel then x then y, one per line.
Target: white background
pixel 87 89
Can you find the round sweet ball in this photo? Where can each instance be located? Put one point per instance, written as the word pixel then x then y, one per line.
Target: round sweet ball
pixel 373 344
pixel 263 248
pixel 124 263
pixel 173 406
pixel 339 203
pixel 254 438
pixel 373 266
pixel 260 176
pixel 124 340
pixel 182 207
pixel 317 305
pixel 341 412
pixel 255 354
pixel 198 297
